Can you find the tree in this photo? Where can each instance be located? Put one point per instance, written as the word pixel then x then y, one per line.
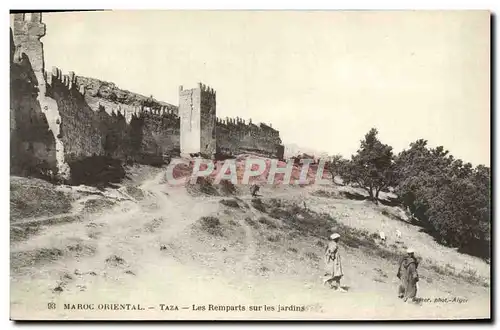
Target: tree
pixel 449 196
pixel 337 166
pixel 372 166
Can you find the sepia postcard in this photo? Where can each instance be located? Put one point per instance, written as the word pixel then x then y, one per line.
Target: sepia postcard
pixel 250 165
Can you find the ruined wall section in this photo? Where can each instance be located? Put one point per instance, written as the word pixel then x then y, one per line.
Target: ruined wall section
pixel 114 132
pixel 160 133
pixel 136 132
pixel 235 136
pixel 58 120
pixel 114 125
pixel 79 125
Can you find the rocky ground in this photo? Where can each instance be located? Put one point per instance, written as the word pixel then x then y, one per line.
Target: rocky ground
pixel 182 253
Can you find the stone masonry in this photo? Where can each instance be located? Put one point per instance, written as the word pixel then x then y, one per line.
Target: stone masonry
pixel 61 121
pixel 197 109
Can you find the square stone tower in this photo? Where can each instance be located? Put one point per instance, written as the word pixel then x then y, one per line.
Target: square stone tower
pixel 197 111
pixel 28 29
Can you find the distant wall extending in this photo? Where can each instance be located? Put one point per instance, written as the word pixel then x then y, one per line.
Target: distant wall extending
pixel 235 136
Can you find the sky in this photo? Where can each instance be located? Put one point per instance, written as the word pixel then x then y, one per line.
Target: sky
pixel 323 79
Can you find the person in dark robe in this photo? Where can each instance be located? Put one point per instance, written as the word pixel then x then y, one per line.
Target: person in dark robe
pixel 408 275
pixel 254 189
pixel 333 264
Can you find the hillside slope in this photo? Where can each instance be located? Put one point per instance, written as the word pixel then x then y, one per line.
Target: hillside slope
pixel 155 244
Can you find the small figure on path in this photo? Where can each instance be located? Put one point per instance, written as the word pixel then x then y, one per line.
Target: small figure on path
pixel 254 189
pixel 333 263
pixel 408 275
pixel 382 237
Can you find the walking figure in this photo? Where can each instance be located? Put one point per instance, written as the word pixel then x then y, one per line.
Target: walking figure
pixel 254 189
pixel 333 264
pixel 408 275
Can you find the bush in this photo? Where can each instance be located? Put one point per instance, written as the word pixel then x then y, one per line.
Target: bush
pixel 97 205
pixel 267 222
pixel 203 185
pixel 325 194
pixel 135 192
pixel 258 205
pixel 230 203
pixel 153 225
pixel 211 225
pixel 273 238
pixel 227 187
pixel 251 222
pixel 313 256
pixel 469 275
pixel 115 260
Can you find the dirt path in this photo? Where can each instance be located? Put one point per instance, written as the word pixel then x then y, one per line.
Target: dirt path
pixel 128 265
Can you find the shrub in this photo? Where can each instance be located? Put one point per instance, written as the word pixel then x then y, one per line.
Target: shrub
pixel 203 185
pixel 258 205
pixel 273 238
pixel 324 193
pixel 115 260
pixel 230 203
pixel 251 222
pixel 267 222
pixel 153 225
pixel 227 187
pixel 97 205
pixel 311 255
pixel 211 225
pixel 135 192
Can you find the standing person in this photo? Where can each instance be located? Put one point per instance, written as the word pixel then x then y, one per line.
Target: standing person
pixel 408 275
pixel 382 237
pixel 333 263
pixel 254 189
